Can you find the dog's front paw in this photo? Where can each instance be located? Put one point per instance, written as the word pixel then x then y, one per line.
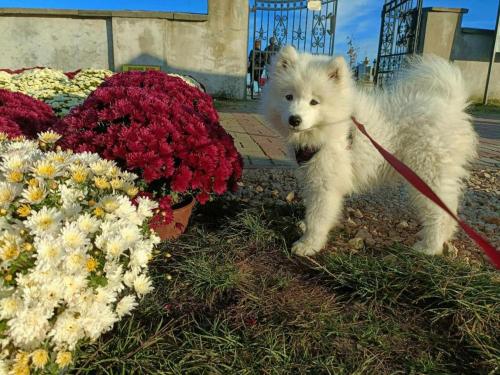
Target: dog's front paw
pixel 305 248
pixel 424 248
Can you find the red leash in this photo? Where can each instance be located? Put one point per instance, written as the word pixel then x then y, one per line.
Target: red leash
pixel 422 187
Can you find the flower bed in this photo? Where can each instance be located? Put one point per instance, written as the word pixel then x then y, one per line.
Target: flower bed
pixel 73 252
pixel 161 128
pixel 62 91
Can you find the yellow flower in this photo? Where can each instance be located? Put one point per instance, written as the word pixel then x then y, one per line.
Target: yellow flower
pixel 3 212
pixel 34 194
pixel 40 358
pixel 45 169
pixel 132 191
pixel 33 182
pixel 64 359
pixel 109 204
pixel 8 193
pixel 8 277
pixel 79 175
pixel 27 246
pixel 101 183
pixel 20 369
pixel 14 176
pixel 24 210
pixel 22 358
pixel 98 211
pixel 9 251
pixel 49 137
pixel 92 264
pixel 116 183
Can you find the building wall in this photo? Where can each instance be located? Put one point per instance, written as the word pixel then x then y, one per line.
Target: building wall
pixel 470 49
pixel 212 48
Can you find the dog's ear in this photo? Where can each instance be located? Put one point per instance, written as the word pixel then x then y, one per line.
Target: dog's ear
pixel 286 57
pixel 338 69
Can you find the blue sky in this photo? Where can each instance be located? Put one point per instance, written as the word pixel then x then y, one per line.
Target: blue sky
pixel 190 6
pixel 359 19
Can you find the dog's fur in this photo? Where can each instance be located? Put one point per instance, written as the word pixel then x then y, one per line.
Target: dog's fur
pixel 420 119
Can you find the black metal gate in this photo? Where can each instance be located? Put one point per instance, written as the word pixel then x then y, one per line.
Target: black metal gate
pixel 308 25
pixel 399 33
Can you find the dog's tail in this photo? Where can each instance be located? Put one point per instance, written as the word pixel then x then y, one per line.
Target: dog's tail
pixel 433 74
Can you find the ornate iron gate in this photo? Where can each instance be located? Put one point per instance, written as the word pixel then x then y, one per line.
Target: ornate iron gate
pixel 308 25
pixel 399 31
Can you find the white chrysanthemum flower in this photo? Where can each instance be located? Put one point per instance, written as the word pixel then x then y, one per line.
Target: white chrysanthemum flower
pixel 4 367
pixel 14 162
pixel 126 305
pixel 46 169
pixel 8 192
pixel 51 293
pixel 49 252
pixel 143 285
pixel 140 257
pixel 98 320
pixel 109 203
pixel 67 330
pixel 114 275
pixel 34 194
pixel 49 137
pixel 146 207
pixel 73 285
pixel 76 262
pixel 116 246
pixel 70 195
pixel 9 307
pixel 72 237
pixel 129 277
pixel 88 223
pixel 102 167
pixel 29 327
pixel 131 234
pixel 46 221
pixel 104 295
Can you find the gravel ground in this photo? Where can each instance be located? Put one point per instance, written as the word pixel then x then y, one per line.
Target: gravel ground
pixel 382 217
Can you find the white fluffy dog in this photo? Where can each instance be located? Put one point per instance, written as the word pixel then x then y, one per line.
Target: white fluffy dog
pixel 420 119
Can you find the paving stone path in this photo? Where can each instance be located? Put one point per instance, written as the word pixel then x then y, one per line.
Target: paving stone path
pixel 262 146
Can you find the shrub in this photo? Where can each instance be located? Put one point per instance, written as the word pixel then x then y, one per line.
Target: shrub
pixel 73 252
pixel 21 115
pixel 162 129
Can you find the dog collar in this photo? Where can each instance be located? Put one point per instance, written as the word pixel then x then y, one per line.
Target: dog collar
pixel 303 155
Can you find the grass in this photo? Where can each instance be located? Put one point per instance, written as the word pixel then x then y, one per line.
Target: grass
pixel 238 303
pixel 492 108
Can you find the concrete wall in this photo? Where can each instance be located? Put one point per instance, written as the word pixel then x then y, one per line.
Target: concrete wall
pixel 211 48
pixel 470 49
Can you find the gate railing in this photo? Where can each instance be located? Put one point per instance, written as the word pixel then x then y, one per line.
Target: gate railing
pixel 305 24
pixel 399 33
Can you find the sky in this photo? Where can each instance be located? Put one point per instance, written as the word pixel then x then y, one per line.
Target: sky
pixel 358 19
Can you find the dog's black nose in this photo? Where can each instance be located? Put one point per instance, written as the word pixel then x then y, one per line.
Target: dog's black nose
pixel 294 120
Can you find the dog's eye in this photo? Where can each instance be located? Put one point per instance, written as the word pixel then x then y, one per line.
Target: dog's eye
pixel 313 102
pixel 289 97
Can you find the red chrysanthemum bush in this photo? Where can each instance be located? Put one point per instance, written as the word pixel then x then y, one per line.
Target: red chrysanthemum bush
pixel 21 115
pixel 160 128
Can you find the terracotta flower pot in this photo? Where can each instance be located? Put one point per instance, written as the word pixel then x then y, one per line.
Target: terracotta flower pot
pixel 178 225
